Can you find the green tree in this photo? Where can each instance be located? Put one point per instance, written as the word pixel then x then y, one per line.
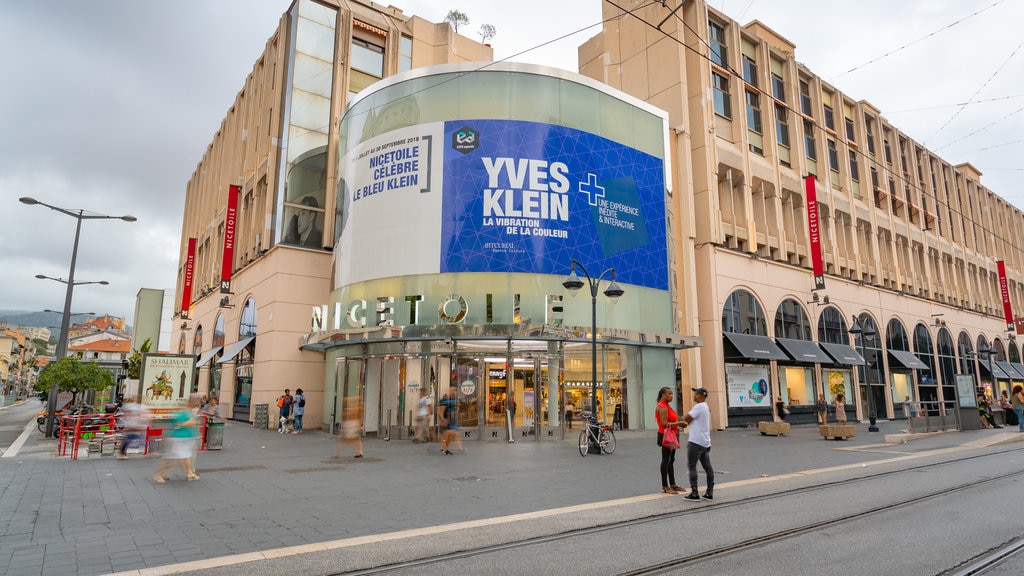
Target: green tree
pixel 457 18
pixel 72 376
pixel 135 360
pixel 40 345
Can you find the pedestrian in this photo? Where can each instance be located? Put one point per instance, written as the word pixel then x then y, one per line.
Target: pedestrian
pixel 351 427
pixel 1017 401
pixel 985 412
pixel 136 420
pixel 284 408
pixel 212 408
pixel 667 419
pixel 299 407
pixel 840 405
pixel 1009 414
pixel 570 413
pixel 822 408
pixel 913 411
pixel 781 410
pixel 448 407
pixel 178 443
pixel 698 449
pixel 423 408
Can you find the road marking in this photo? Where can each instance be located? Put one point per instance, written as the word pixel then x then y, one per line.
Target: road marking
pixel 12 451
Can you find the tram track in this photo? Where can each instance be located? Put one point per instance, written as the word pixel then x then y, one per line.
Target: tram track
pixel 672 564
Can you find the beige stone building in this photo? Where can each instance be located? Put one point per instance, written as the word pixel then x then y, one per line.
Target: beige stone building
pixel 909 242
pixel 278 145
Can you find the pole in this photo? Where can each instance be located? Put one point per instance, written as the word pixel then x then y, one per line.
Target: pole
pixel 594 448
pixel 65 325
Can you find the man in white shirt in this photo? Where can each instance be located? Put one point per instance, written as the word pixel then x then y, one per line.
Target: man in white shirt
pixel 698 419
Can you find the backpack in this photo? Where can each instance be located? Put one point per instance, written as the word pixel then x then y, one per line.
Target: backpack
pixel 302 401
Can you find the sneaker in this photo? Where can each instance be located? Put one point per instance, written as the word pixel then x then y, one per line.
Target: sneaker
pixel 448 452
pixel 692 496
pixel 708 496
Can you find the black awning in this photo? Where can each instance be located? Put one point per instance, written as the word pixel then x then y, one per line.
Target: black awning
pixel 803 351
pixel 908 360
pixel 749 347
pixel 843 354
pixel 996 370
pixel 1009 369
pixel 1018 367
pixel 235 348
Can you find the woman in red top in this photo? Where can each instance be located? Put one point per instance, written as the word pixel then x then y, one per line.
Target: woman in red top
pixel 667 418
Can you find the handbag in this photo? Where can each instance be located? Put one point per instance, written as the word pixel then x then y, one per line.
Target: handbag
pixel 670 439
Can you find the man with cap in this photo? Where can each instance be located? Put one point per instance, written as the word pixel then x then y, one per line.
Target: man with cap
pixel 699 446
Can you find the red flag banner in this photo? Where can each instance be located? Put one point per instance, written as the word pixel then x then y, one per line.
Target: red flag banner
pixel 1004 289
pixel 186 283
pixel 230 219
pixel 814 231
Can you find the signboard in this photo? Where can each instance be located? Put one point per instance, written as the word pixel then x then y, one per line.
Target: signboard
pixel 747 385
pixel 230 221
pixel 166 380
pixel 186 282
pixel 502 196
pixel 1004 290
pixel 966 392
pixel 814 231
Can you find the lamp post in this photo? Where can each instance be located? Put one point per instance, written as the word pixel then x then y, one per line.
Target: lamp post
pixel 866 333
pixel 988 352
pixel 62 342
pixel 573 284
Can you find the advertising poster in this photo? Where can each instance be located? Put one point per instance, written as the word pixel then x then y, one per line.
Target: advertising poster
pixel 501 196
pixel 747 385
pixel 165 381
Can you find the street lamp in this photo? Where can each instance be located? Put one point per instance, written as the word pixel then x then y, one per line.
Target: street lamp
pixel 62 342
pixel 573 284
pixel 866 333
pixel 989 352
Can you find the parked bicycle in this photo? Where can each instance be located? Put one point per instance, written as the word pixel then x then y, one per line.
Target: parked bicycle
pixel 600 434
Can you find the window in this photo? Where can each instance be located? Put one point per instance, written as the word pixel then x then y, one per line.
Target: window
pixel 781 125
pixel 854 168
pixel 833 155
pixel 754 112
pixel 778 87
pixel 869 129
pixel 830 121
pixel 749 70
pixel 405 56
pixel 367 57
pixel 721 87
pixel 810 146
pixel 716 38
pixel 849 130
pixel 888 150
pixel 805 98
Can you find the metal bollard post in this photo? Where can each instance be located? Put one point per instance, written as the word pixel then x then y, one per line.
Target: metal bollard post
pixel 508 426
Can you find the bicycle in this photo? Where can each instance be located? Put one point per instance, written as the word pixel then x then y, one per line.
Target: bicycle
pixel 600 434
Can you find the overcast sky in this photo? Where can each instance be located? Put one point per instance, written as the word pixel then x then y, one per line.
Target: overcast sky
pixel 108 106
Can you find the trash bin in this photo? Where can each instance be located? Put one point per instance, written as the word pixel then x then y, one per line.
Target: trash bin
pixel 215 436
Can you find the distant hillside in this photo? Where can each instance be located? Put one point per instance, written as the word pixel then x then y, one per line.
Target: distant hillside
pixel 49 320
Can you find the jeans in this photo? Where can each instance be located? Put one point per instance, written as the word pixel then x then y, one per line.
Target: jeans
pixel 668 464
pixel 298 422
pixel 695 453
pixel 1020 417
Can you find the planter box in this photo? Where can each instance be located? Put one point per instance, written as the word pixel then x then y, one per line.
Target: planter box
pixel 773 428
pixel 837 431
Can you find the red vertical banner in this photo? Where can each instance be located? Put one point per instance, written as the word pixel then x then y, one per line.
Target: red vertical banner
pixel 186 283
pixel 814 231
pixel 1004 289
pixel 230 220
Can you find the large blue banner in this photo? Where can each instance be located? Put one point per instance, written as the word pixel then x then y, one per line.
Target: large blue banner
pixel 530 197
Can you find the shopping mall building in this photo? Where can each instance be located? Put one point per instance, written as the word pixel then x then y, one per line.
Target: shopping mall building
pixel 385 213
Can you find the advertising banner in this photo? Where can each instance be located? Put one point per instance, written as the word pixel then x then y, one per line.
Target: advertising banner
pixel 814 232
pixel 1004 289
pixel 186 282
pixel 230 221
pixel 503 196
pixel 747 385
pixel 165 381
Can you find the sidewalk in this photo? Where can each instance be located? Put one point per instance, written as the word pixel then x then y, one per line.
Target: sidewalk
pixel 267 491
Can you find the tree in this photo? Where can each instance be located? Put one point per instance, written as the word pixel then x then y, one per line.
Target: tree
pixel 41 346
pixel 135 360
pixel 457 18
pixel 486 32
pixel 73 376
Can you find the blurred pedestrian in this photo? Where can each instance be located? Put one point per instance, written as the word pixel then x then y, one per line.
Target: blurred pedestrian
pixel 668 422
pixel 299 407
pixel 351 427
pixel 840 405
pixel 1017 401
pixel 822 408
pixel 178 443
pixel 449 420
pixel 424 404
pixel 698 449
pixel 136 420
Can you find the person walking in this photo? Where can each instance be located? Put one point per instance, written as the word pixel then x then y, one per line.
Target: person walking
pixel 449 420
pixel 351 427
pixel 822 407
pixel 178 442
pixel 1017 402
pixel 299 407
pixel 840 409
pixel 698 449
pixel 570 412
pixel 284 405
pixel 423 407
pixel 135 423
pixel 667 419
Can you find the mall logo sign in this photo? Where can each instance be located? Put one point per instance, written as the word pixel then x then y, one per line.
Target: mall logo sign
pixel 465 140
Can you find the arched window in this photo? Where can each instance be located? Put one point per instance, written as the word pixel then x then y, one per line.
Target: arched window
pixel 964 349
pixel 247 326
pixel 927 383
pixel 872 375
pixel 742 313
pixel 218 331
pixel 832 326
pixel 197 344
pixel 181 344
pixel 791 321
pixel 947 363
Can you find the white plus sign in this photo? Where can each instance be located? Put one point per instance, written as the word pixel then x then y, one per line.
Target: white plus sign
pixel 591 189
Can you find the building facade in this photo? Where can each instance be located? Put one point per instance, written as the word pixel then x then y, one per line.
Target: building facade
pixel 910 245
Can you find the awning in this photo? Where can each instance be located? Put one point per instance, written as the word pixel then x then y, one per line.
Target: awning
pixel 996 370
pixel 908 360
pixel 1018 367
pixel 1011 372
pixel 843 354
pixel 235 349
pixel 803 351
pixel 750 347
pixel 205 358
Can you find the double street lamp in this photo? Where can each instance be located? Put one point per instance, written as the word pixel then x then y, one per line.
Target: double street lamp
pixel 867 332
pixel 62 342
pixel 573 284
pixel 988 352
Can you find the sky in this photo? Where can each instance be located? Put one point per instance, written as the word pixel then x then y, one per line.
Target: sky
pixel 108 106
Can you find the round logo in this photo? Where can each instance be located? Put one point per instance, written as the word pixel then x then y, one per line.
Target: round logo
pixel 468 387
